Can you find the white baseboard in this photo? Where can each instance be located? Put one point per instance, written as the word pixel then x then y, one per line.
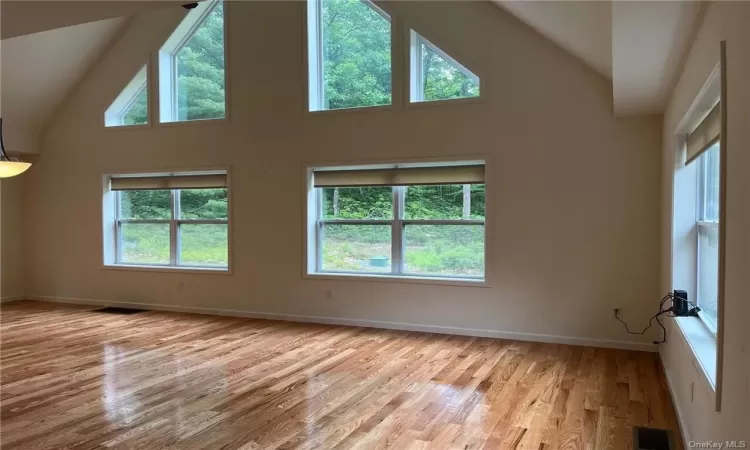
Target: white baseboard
pixel 678 411
pixel 11 299
pixel 552 339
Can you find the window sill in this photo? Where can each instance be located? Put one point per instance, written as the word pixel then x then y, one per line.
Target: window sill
pixel 462 282
pixel 142 126
pixel 168 269
pixel 354 109
pixel 446 102
pixel 194 122
pixel 702 343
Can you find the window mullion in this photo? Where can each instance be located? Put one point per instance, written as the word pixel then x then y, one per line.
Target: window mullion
pixel 174 245
pixel 319 230
pixel 118 232
pixel 397 228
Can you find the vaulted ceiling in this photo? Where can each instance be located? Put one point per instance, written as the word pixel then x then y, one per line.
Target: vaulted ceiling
pixel 639 45
pixel 48 46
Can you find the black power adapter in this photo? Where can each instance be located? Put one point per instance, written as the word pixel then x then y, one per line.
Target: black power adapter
pixel 681 305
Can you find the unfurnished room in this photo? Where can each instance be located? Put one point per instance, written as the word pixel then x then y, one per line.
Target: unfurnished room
pixel 365 224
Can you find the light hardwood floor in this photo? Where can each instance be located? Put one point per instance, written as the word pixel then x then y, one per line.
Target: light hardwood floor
pixel 75 378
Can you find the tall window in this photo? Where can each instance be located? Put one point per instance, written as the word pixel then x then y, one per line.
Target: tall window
pixel 437 76
pixel 175 221
pixel 131 105
pixel 708 234
pixel 191 67
pixel 349 54
pixel 428 223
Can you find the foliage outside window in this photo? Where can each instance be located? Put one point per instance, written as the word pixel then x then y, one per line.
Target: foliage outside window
pixel 137 112
pixel 349 53
pixel 437 76
pixel 131 105
pixel 708 234
pixel 423 231
pixel 191 64
pixel 177 228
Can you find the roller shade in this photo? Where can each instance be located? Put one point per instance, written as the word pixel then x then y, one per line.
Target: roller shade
pixel 206 181
pixel 705 135
pixel 473 174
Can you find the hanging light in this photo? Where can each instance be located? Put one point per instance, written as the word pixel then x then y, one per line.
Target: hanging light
pixel 9 166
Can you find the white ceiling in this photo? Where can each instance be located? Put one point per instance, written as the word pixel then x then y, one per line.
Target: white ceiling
pixel 21 17
pixel 650 41
pixel 583 28
pixel 38 71
pixel 639 45
pixel 48 46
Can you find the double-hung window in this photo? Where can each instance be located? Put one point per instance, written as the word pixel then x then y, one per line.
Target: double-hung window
pixel 708 234
pixel 175 220
pixel 399 221
pixel 703 149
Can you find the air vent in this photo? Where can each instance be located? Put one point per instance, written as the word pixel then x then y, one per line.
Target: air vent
pixel 652 439
pixel 117 310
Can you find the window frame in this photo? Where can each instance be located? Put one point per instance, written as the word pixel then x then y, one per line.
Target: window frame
pixel 416 75
pixel 316 77
pixel 702 226
pixel 111 232
pixel 398 224
pixel 167 62
pixel 114 115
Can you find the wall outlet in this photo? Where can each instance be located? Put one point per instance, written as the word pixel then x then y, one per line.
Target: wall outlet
pixel 329 295
pixel 615 312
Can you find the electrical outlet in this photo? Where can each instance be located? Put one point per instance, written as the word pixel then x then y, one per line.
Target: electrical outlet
pixel 615 312
pixel 329 295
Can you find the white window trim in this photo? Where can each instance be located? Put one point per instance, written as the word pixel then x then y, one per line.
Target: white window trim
pixel 316 222
pixel 316 80
pixel 115 114
pixel 416 77
pixel 168 108
pixel 113 236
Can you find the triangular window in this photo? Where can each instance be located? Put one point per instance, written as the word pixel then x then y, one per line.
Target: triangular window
pixel 131 106
pixel 191 67
pixel 437 76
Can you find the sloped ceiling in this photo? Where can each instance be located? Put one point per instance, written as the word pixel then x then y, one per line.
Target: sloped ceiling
pixel 583 28
pixel 639 45
pixel 38 71
pixel 650 41
pixel 22 17
pixel 47 48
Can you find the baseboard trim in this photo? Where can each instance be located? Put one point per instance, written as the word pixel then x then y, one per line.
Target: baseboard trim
pixel 511 335
pixel 678 411
pixel 11 299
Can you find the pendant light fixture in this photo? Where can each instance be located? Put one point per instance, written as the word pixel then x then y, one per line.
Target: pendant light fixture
pixel 9 166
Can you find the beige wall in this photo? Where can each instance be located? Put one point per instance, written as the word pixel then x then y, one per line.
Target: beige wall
pixel 693 395
pixel 572 203
pixel 12 281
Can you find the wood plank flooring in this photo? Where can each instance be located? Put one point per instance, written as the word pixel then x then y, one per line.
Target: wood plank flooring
pixel 73 378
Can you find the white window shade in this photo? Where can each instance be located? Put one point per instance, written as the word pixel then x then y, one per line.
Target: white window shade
pixel 705 134
pixel 470 174
pixel 139 183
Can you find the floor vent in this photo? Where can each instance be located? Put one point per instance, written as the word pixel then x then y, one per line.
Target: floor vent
pixel 118 310
pixel 652 439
